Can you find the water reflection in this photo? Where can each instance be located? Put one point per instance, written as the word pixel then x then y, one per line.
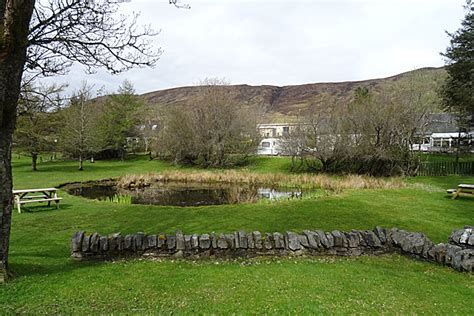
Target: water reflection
pixel 181 194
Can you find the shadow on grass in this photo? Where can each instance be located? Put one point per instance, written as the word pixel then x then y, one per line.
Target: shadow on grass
pixel 44 208
pixel 31 269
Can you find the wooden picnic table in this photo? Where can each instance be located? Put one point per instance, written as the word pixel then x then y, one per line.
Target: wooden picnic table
pixel 42 195
pixel 462 189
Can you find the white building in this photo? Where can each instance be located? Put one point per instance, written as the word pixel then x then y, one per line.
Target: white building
pixel 442 142
pixel 271 138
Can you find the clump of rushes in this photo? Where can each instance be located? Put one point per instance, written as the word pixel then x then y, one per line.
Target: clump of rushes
pixel 120 199
pixel 307 181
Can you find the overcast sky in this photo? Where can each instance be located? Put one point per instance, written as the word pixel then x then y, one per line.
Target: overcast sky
pixel 286 42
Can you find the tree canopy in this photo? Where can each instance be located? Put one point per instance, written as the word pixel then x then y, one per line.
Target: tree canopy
pixel 458 90
pixel 46 37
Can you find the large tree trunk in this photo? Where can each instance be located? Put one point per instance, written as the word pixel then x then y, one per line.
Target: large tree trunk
pixel 15 17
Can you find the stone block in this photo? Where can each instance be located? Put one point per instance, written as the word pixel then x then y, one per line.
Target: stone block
pixel 292 241
pixel 464 260
pixel 397 236
pixel 257 239
pixel 94 243
pixel 171 242
pixel 187 242
pixel 413 243
pixel 268 243
pixel 76 241
pixel 456 236
pixel 116 242
pixel 128 242
pixel 243 242
pixel 250 241
pixel 180 244
pixel 322 239
pixel 138 238
pixel 152 241
pixel 440 253
pixel 230 240
pixel 222 242
pixel 353 239
pixel 236 240
pixel 451 251
pixel 194 241
pixel 104 243
pixel 470 241
pixel 213 240
pixel 313 239
pixel 330 240
pixel 303 241
pixel 372 240
pixel 279 241
pixel 381 234
pixel 204 241
pixel 362 238
pixel 465 236
pixel 338 238
pixel 425 253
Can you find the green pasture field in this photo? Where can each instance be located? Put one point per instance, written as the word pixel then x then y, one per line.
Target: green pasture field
pixel 47 281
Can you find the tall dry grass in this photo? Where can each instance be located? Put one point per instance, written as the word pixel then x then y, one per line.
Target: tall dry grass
pixel 319 181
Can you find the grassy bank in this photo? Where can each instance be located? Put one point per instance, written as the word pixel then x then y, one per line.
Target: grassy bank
pixel 49 282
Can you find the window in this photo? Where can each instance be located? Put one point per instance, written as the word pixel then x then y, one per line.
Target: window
pixel 286 130
pixel 266 144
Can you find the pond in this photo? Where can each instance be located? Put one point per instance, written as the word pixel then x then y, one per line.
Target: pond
pixel 179 194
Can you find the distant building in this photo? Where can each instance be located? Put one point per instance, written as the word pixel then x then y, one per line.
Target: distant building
pixel 271 137
pixel 441 136
pixel 443 142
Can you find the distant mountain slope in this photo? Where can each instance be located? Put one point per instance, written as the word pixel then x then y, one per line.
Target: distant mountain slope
pixel 284 103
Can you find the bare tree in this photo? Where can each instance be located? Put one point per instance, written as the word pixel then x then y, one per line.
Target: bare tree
pixel 38 121
pixel 213 132
pixel 372 134
pixel 46 37
pixel 384 124
pixel 79 135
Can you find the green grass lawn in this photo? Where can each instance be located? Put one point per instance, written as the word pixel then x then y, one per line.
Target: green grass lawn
pixel 48 281
pixel 445 157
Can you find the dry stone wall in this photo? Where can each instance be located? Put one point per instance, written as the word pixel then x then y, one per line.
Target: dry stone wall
pixel 457 253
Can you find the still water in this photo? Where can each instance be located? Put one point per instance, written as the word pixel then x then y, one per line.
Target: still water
pixel 181 194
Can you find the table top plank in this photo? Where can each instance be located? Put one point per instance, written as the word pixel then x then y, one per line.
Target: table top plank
pixel 35 190
pixel 466 186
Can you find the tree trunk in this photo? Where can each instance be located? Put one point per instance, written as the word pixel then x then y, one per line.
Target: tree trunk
pixel 34 159
pixel 458 149
pixel 15 17
pixel 81 163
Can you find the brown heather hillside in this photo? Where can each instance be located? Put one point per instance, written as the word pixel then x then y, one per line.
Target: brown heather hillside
pixel 284 103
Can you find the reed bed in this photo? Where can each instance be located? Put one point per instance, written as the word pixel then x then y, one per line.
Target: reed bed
pixel 319 181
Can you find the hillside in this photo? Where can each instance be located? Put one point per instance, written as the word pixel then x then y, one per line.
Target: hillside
pixel 283 103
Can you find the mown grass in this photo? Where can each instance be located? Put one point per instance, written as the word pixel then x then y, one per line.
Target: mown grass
pixel 445 157
pixel 48 281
